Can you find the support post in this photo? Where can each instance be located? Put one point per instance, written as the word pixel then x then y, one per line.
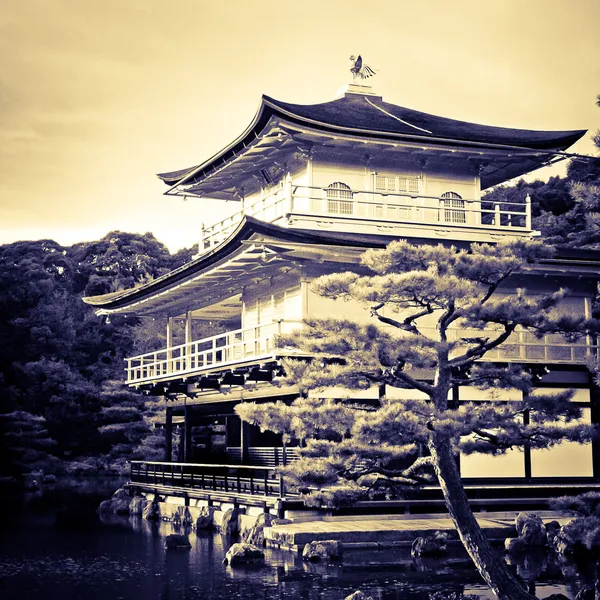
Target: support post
pixel 497 214
pixel 169 435
pixel 188 340
pixel 187 433
pixel 595 418
pixel 528 212
pixel 244 442
pixel 169 345
pixel 289 194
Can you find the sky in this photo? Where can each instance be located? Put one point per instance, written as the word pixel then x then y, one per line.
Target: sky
pixel 96 97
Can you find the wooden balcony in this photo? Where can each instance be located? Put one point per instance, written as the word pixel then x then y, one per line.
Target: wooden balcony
pixel 229 349
pixel 253 345
pixel 391 213
pixel 224 480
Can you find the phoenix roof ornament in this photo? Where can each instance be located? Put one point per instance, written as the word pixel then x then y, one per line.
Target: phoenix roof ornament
pixel 358 69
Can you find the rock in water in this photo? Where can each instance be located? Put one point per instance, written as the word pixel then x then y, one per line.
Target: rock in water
pixel 152 511
pixel 358 595
pixel 137 506
pixel 205 518
pixel 242 554
pixel 323 550
pixel 176 541
pixel 256 534
pixel 118 504
pixel 229 524
pixel 431 545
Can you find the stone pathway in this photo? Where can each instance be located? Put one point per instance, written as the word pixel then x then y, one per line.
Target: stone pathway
pixel 387 531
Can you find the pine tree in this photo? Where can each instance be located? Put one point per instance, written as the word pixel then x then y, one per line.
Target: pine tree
pixel 439 311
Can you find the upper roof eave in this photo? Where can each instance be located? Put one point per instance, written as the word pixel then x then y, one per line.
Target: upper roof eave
pixel 315 116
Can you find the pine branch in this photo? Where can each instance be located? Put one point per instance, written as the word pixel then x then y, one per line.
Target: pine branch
pixel 407 324
pixel 392 375
pixel 483 347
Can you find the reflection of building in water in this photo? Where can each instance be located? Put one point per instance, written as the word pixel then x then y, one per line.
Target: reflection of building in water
pixel 314 186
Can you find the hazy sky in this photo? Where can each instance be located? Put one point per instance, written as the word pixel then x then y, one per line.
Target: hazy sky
pixel 97 96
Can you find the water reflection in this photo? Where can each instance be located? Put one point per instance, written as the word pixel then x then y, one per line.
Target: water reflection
pixel 44 556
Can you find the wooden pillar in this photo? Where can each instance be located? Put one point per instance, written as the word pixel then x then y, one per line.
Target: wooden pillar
pixel 289 194
pixel 169 435
pixel 244 442
pixel 595 418
pixel 187 435
pixel 169 345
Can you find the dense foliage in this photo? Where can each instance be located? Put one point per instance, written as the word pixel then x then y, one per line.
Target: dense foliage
pixel 439 310
pixel 566 210
pixel 60 364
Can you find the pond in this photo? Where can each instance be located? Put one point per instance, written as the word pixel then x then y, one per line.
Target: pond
pixel 56 547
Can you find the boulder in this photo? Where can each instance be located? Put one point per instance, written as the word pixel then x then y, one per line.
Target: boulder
pixel 533 531
pixel 152 510
pixel 187 520
pixel 243 554
pixel 229 524
pixel 569 537
pixel 515 545
pixel 137 505
pixel 256 534
pixel 358 595
pixel 205 518
pixel 177 516
pixel 177 542
pixel 121 501
pixel 118 503
pixel 430 545
pixel 552 528
pixel 323 550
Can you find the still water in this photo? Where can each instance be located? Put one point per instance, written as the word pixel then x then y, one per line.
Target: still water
pixel 58 548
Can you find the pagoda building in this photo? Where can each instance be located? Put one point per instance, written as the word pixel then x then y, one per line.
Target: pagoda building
pixel 315 186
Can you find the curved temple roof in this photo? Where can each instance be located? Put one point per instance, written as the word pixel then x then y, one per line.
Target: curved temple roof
pixel 369 116
pixel 241 258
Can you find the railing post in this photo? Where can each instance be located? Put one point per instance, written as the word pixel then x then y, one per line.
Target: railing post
pixel 169 344
pixel 188 340
pixel 497 214
pixel 289 195
pixel 528 212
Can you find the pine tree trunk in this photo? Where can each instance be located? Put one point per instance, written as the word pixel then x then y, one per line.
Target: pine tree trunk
pixel 490 565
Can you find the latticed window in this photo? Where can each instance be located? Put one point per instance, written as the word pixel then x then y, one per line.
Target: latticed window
pixel 453 208
pixel 403 183
pixel 339 198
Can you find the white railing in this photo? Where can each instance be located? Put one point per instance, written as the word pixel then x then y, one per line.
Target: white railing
pixel 220 350
pixel 524 346
pixel 376 208
pixel 235 347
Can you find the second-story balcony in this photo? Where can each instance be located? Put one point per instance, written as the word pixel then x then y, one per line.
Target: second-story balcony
pixel 393 213
pixel 257 345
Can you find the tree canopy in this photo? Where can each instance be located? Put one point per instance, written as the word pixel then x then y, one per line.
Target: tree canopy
pixel 439 311
pixel 59 361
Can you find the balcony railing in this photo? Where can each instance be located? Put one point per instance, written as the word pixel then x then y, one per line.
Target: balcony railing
pixel 233 348
pixel 377 209
pixel 217 351
pixel 221 479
